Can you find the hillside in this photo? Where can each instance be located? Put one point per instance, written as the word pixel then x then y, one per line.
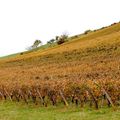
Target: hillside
pixel 94 56
pixel 97 50
pixel 104 36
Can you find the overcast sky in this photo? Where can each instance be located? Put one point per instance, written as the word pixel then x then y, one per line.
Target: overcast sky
pixel 23 21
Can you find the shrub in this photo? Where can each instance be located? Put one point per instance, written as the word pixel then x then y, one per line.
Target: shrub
pixel 87 31
pixel 63 38
pixel 51 41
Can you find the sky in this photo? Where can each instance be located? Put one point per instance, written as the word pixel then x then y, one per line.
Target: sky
pixel 24 21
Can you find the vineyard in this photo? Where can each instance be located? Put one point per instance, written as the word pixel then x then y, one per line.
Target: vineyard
pixel 69 92
pixel 83 72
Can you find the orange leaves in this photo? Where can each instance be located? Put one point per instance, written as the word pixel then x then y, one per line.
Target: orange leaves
pixel 81 91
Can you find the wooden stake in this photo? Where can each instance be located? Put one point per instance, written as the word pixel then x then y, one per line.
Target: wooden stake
pixel 65 101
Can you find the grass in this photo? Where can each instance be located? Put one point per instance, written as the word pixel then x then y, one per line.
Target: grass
pixel 40 48
pixel 19 111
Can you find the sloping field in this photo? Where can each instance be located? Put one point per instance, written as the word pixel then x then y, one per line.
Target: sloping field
pixel 82 71
pixel 97 51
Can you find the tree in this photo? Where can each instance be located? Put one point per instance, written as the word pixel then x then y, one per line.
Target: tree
pixel 35 45
pixel 51 41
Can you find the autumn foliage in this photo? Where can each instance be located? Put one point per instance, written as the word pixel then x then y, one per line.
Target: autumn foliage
pixel 84 72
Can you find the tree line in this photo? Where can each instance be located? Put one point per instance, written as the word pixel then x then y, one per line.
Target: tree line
pixel 58 40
